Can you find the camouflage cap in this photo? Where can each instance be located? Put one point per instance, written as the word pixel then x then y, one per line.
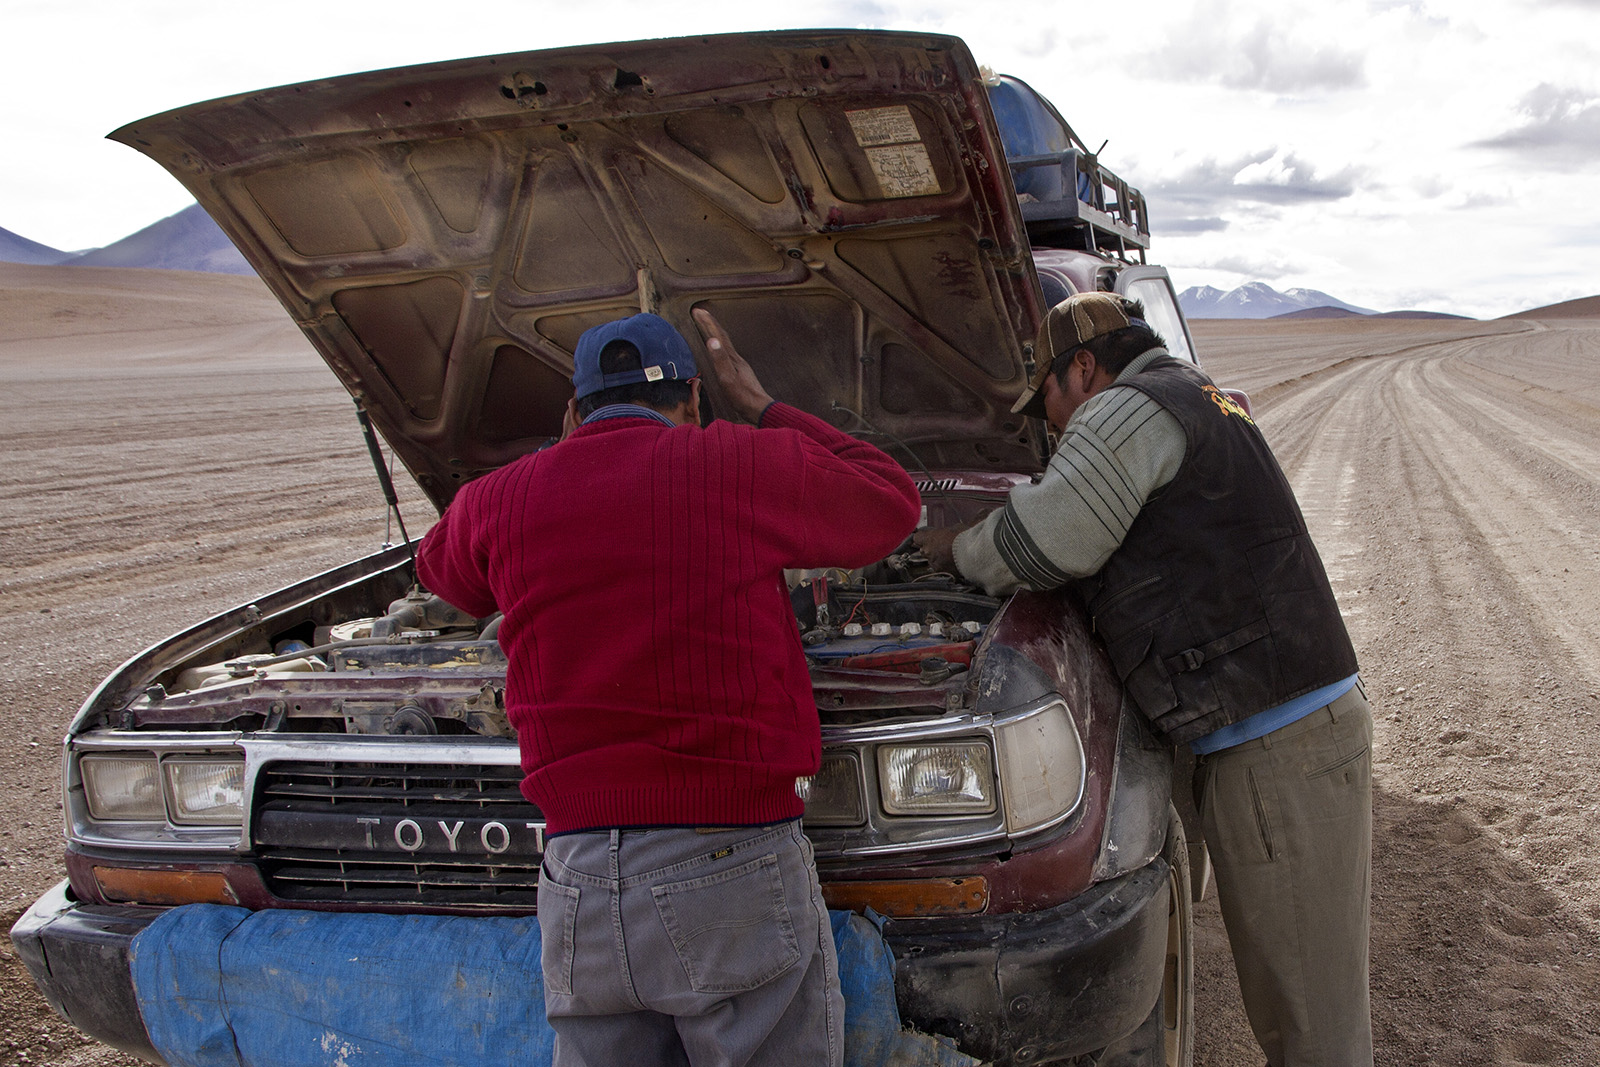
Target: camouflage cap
pixel 1079 318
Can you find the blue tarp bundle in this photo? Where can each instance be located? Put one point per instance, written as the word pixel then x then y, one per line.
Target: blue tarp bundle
pixel 226 987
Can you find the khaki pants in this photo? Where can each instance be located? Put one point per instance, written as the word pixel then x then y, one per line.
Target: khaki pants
pixel 1288 821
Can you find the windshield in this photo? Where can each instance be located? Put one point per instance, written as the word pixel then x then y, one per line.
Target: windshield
pixel 1161 312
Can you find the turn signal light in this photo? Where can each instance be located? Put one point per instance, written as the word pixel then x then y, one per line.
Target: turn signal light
pixel 911 898
pixel 132 885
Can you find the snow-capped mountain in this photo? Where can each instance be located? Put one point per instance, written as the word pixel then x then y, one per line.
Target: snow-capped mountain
pixel 1256 300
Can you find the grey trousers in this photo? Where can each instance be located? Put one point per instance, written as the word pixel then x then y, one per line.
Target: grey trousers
pixel 1288 821
pixel 686 947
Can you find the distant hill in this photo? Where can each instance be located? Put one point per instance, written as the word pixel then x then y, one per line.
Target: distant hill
pixel 1587 307
pixel 188 240
pixel 1321 313
pixel 1419 315
pixel 1342 313
pixel 1257 300
pixel 15 248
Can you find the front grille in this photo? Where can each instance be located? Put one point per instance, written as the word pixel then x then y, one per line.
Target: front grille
pixel 418 834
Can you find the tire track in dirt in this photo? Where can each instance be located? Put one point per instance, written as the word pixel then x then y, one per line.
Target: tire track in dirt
pixel 1516 507
pixel 1318 435
pixel 1482 717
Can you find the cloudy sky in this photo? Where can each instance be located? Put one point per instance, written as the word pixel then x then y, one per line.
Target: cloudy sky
pixel 1393 153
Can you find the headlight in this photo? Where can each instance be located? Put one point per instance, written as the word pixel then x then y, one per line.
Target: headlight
pixel 123 788
pixel 833 794
pixel 206 792
pixel 1041 764
pixel 185 791
pixel 937 779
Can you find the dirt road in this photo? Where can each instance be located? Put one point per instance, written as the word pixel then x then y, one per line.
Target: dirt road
pixel 172 448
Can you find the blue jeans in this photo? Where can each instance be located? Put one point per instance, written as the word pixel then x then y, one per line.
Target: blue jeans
pixel 688 947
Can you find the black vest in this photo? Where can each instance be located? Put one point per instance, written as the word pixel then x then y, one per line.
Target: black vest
pixel 1216 605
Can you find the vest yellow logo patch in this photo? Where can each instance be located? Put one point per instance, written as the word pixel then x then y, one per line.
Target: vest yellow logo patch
pixel 1228 404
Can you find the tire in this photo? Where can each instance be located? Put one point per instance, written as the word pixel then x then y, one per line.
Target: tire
pixel 1166 1037
pixel 1176 1003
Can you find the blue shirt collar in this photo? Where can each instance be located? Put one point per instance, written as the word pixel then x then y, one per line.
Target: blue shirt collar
pixel 627 411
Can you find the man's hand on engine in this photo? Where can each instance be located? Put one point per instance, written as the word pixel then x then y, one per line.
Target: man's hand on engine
pixel 938 544
pixel 733 376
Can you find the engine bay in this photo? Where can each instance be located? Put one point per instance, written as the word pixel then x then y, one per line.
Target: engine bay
pixel 414 664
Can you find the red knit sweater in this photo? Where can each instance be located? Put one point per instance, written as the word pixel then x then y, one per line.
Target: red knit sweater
pixel 656 675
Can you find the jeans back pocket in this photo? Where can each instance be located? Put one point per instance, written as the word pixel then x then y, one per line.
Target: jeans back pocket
pixel 732 930
pixel 558 925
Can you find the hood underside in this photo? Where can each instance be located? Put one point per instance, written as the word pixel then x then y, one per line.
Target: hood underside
pixel 443 233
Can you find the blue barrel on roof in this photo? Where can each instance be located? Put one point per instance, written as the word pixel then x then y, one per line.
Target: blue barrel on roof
pixel 1030 129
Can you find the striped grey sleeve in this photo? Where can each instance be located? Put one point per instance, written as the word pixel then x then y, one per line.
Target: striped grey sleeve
pixel 1120 448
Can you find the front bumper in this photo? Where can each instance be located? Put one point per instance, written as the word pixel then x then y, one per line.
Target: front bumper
pixel 1029 987
pixel 78 955
pixel 1036 987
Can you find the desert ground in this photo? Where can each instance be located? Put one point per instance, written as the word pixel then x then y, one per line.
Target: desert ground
pixel 173 447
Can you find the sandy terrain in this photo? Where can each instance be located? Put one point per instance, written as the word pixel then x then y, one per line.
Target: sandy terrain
pixel 173 447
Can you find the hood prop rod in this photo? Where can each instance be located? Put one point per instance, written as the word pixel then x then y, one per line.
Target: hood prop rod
pixel 383 478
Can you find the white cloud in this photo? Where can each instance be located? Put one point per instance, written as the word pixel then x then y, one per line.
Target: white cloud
pixel 1561 127
pixel 1284 177
pixel 1209 224
pixel 1237 187
pixel 1271 49
pixel 1041 45
pixel 1320 143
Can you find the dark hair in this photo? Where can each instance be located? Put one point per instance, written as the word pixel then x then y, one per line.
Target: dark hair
pixel 619 356
pixel 1114 350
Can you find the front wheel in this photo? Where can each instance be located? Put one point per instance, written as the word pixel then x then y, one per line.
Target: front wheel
pixel 1176 1003
pixel 1166 1037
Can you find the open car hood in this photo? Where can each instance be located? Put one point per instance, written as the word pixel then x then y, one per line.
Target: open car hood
pixel 443 233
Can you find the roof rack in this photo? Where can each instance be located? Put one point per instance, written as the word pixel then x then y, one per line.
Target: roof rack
pixel 1068 199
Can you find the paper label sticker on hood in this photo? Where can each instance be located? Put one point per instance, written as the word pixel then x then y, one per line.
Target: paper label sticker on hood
pixel 883 125
pixel 895 151
pixel 903 170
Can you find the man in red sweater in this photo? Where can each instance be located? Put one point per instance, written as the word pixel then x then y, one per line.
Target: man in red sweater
pixel 661 697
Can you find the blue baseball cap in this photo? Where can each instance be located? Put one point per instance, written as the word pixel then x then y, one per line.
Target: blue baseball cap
pixel 663 354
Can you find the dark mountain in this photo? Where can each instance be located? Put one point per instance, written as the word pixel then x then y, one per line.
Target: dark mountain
pixel 1343 313
pixel 1419 315
pixel 1321 313
pixel 15 248
pixel 188 240
pixel 1587 307
pixel 1256 300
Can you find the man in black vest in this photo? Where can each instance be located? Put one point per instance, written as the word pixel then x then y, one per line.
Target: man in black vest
pixel 1166 508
